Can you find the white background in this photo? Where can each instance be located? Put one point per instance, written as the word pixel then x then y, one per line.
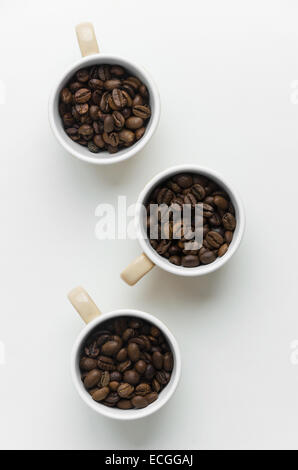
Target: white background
pixel 224 70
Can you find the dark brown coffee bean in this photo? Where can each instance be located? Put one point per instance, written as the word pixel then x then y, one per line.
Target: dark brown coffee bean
pixel 183 180
pixel 125 390
pixel 128 333
pixel 134 122
pixel 92 147
pixel 92 378
pixel 82 95
pixel 95 84
pixel 198 191
pixel 149 372
pixel 68 119
pixel 228 236
pixel 122 355
pixel 175 259
pixel 221 202
pixel 106 363
pixel 168 362
pixel 87 363
pixel 104 379
pixel 92 350
pixel 156 385
pixel 118 119
pixel 86 130
pixel 141 111
pixel 143 91
pixel 208 210
pixel 101 394
pixel 223 249
pixel 115 376
pixel 131 376
pixel 66 96
pixel 119 98
pixel 112 398
pixel 133 352
pixel 117 70
pixel 112 83
pixel 157 359
pixel 214 239
pixel 103 72
pixel 140 367
pixel 123 366
pixel 151 397
pixel 113 386
pixel 93 111
pixel 207 256
pixel 190 261
pixel 82 75
pixel 126 136
pixel 143 389
pixel 229 221
pixel 109 123
pixel 98 141
pixel 124 404
pixel 75 86
pixel 161 377
pixel 140 132
pixel 139 402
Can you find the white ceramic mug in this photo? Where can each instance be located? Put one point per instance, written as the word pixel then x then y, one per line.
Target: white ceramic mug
pixel 149 258
pixel 91 56
pixel 93 318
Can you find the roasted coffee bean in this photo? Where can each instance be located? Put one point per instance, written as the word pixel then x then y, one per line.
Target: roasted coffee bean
pixel 133 351
pixel 88 364
pixel 228 236
pixel 221 202
pixel 106 363
pixel 131 376
pixel 66 96
pixel 114 386
pixel 86 130
pixel 139 402
pixel 122 355
pixel 101 394
pixel 125 390
pixel 151 397
pixel 223 249
pixel 92 378
pixel 82 95
pixel 190 261
pixel 183 180
pixel 198 191
pixel 207 256
pixel 168 362
pixel 112 398
pixel 110 348
pixel 157 359
pixel 124 404
pixel 115 376
pixel 104 379
pixel 133 360
pixel 143 389
pixel 229 221
pixel 214 239
pixel 105 94
pixel 140 367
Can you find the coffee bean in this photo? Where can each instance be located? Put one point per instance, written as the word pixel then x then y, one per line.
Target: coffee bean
pixel 223 249
pixel 139 402
pixel 221 202
pixel 198 191
pixel 111 84
pixel 183 180
pixel 112 398
pixel 149 372
pixel 143 389
pixel 190 261
pixel 161 377
pixel 126 136
pixel 228 236
pixel 92 350
pixel 122 355
pixel 141 111
pixel 124 404
pixel 104 379
pixel 157 359
pixel 106 363
pixel 214 239
pixel 114 386
pixel 82 95
pixel 92 147
pixel 87 363
pixel 229 221
pixel 151 397
pixel 123 366
pixel 101 394
pixel 134 122
pixel 133 352
pixel 82 75
pixel 66 96
pixel 168 362
pixel 125 390
pixel 92 378
pixel 140 367
pixel 207 256
pixel 131 376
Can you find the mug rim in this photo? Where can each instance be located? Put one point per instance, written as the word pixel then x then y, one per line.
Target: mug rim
pixel 107 159
pixel 164 263
pixel 115 413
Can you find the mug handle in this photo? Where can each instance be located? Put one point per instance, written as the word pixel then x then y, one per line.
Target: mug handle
pixel 83 304
pixel 87 39
pixel 137 269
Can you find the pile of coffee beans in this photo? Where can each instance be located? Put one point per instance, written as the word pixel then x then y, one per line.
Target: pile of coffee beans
pixel 126 363
pixel 104 108
pixel 217 220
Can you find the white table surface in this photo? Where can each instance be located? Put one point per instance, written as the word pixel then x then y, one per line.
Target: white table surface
pixel 225 71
